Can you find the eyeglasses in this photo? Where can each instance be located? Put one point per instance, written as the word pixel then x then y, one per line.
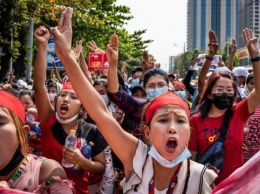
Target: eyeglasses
pixel 220 91
pixel 154 86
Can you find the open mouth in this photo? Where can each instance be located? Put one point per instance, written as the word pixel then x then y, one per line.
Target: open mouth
pixel 64 108
pixel 171 144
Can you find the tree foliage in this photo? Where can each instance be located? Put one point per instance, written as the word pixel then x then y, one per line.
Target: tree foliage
pixel 92 20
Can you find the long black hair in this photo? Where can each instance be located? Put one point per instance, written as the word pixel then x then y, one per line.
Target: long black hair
pixel 206 103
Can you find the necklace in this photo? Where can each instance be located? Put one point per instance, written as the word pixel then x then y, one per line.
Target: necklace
pixel 172 183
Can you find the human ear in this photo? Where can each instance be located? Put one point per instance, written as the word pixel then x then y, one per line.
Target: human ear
pixel 26 128
pixel 147 132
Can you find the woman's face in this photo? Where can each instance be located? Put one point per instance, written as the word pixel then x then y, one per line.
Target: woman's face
pixel 140 94
pixel 179 88
pixel 223 85
pixel 27 101
pixel 8 138
pixel 101 89
pixel 52 90
pixel 169 131
pixel 68 104
pixel 251 85
pixel 156 81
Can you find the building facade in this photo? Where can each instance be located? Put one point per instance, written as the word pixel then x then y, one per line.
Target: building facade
pixel 218 15
pixel 227 18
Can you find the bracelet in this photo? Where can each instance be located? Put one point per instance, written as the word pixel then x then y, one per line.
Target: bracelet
pixel 256 59
pixel 209 58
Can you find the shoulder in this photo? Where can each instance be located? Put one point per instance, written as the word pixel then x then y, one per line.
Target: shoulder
pixel 51 168
pixel 195 118
pixel 87 126
pixel 198 170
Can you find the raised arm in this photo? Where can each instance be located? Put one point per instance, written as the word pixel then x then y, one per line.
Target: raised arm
pixel 84 67
pixel 42 101
pixel 56 73
pixel 78 52
pixel 232 55
pixel 112 80
pixel 253 48
pixel 213 47
pixel 116 137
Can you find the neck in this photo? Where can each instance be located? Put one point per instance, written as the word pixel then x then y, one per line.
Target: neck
pixel 162 175
pixel 215 112
pixel 72 125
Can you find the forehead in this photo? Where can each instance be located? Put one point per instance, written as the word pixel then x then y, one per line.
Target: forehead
pixel 100 87
pixel 223 82
pixel 138 73
pixel 25 97
pixel 3 113
pixel 67 91
pixel 156 79
pixel 139 91
pixel 171 109
pixel 178 87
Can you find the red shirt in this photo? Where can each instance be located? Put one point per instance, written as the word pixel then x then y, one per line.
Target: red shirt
pixel 204 133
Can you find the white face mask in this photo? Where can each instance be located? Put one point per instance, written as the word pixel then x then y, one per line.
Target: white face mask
pixel 166 163
pixel 52 96
pixel 152 93
pixel 65 121
pixel 105 98
pixel 141 100
pixel 181 94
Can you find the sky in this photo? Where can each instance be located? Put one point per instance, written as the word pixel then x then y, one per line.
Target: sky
pixel 165 21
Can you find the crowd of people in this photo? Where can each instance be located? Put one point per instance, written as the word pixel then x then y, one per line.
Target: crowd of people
pixel 146 132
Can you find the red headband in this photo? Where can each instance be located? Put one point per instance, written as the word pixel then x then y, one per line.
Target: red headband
pixel 67 86
pixel 162 100
pixel 12 103
pixel 178 83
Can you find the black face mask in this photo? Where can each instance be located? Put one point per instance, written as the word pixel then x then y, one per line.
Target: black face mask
pixel 16 160
pixel 223 101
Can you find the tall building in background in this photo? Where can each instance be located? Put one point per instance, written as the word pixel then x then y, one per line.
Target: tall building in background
pixel 171 64
pixel 248 17
pixel 218 15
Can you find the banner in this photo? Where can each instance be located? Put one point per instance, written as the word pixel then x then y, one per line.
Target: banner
pixel 214 63
pixel 51 56
pixel 97 61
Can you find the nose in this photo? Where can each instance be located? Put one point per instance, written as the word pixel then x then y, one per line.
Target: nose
pixel 172 127
pixel 66 98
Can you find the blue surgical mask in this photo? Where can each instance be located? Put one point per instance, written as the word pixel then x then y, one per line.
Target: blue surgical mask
pixel 152 93
pixel 105 98
pixel 181 94
pixel 169 164
pixel 135 82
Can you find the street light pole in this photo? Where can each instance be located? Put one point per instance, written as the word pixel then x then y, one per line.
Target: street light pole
pixel 184 57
